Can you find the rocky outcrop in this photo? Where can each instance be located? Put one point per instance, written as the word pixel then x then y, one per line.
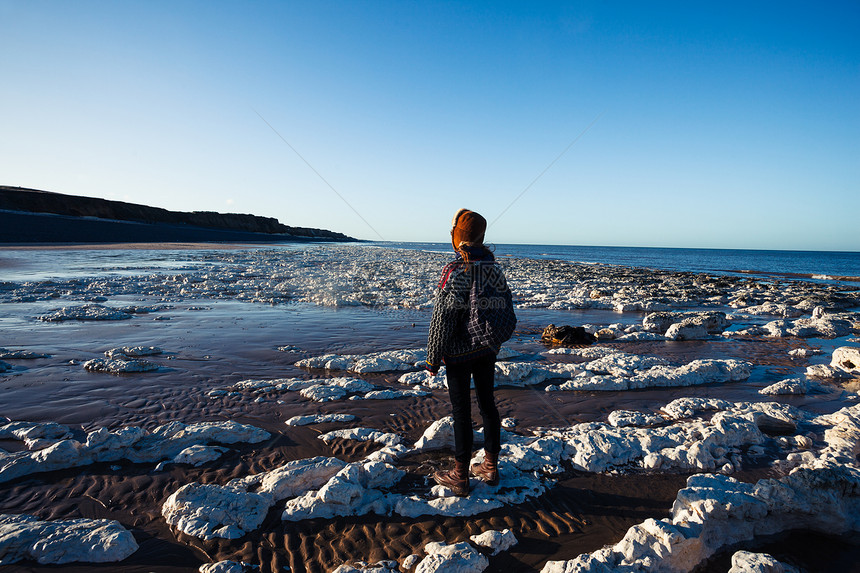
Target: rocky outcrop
pixel 566 335
pixel 35 201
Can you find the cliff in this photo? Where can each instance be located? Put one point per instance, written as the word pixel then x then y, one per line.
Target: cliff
pixel 66 226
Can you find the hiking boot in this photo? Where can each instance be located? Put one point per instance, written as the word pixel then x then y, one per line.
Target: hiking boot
pixel 457 479
pixel 488 470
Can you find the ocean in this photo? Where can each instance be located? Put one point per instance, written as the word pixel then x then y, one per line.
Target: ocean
pixel 819 265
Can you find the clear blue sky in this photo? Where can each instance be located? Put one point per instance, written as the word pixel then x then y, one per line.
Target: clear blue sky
pixel 732 124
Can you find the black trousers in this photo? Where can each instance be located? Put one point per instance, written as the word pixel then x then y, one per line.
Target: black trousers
pixel 459 376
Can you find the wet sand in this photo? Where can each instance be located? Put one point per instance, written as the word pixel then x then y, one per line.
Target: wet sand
pixel 228 341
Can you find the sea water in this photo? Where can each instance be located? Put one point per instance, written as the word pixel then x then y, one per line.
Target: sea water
pixel 802 264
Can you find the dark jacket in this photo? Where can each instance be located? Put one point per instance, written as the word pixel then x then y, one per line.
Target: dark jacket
pixel 473 311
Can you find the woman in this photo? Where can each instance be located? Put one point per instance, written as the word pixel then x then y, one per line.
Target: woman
pixel 472 316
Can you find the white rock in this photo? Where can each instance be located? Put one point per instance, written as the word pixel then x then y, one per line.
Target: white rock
pixel 715 511
pixel 440 434
pixel 822 327
pixel 293 478
pixel 323 393
pixel 352 491
pixel 21 354
pixel 210 511
pixel 132 351
pixel 825 371
pixel 620 418
pixel 198 455
pixel 792 386
pixel 319 419
pixel 391 394
pixel 457 558
pixel 591 352
pixel 85 312
pixel 130 443
pixel 386 361
pixel 804 352
pixel 623 364
pixel 773 309
pixel 63 541
pixel 362 435
pixel 847 359
pixel 225 567
pixel 119 366
pixel 425 379
pixel 498 541
pixel 747 562
pixel 685 331
pixel 361 567
pixel 34 430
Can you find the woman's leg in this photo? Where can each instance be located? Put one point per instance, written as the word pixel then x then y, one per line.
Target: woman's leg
pixel 459 378
pixel 484 370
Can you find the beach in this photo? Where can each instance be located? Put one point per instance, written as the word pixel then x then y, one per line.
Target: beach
pixel 236 334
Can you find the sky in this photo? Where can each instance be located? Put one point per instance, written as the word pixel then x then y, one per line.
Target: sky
pixel 665 124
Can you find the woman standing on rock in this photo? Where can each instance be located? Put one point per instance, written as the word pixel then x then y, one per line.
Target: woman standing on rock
pixel 472 316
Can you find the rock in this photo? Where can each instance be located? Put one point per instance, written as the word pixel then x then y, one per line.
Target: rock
pixel 319 419
pixel 623 364
pixel 712 322
pixel 821 327
pixel 847 359
pixel 63 541
pixel 774 426
pixel 228 567
pixel 591 353
pixel 391 394
pixel 804 352
pixel 457 558
pixel 682 408
pixel 498 541
pixel 747 562
pixel 362 435
pixel 85 312
pixel 774 309
pixel 607 334
pixel 361 567
pixel 352 491
pixel 119 366
pixel 386 361
pixel 621 418
pixel 209 511
pixel 34 430
pixel 826 371
pixel 124 352
pixel 21 354
pixel 323 393
pixel 792 386
pixel 640 336
pixel 566 335
pixel 198 455
pixel 687 331
pixel 715 511
pixel 439 435
pixel 130 443
pixel 212 511
pixel 425 379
